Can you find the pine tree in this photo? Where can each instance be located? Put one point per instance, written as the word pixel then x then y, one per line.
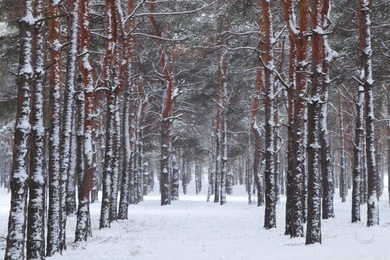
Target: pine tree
pixel 367 82
pixel 55 81
pixel 37 185
pixel 269 66
pixel 83 227
pixel 19 175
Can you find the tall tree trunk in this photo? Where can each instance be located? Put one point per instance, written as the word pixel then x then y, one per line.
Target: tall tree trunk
pixel 167 113
pixel 342 167
pixel 313 232
pixel 55 78
pixel 19 175
pixel 367 80
pixel 67 118
pixel 326 163
pixel 83 228
pixel 37 185
pixel 270 182
pixel 298 39
pixel 357 156
pixel 222 92
pixel 257 139
pixel 288 9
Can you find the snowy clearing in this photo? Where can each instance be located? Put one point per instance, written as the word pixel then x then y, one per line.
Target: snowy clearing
pixel 192 228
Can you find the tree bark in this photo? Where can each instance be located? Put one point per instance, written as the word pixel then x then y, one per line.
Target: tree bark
pixel 55 78
pixel 367 80
pixel 167 113
pixel 268 60
pixel 37 185
pixel 313 232
pixel 83 228
pixel 326 163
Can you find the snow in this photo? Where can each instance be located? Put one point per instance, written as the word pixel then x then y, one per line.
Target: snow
pixel 192 228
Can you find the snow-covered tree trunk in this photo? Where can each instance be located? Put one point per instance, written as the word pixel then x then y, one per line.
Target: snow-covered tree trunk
pixel 270 182
pixel 133 141
pixel 72 173
pixel 357 156
pixel 326 163
pixel 37 185
pixel 313 232
pixel 297 118
pixel 55 81
pixel 343 186
pixel 290 92
pixel 83 228
pixel 217 161
pixel 108 160
pixel 15 248
pixel 142 105
pixel 211 180
pixel 67 118
pixel 175 178
pixel 198 177
pixel 367 80
pixel 127 71
pixel 112 85
pixel 257 139
pixel 125 186
pixel 222 104
pixel 363 179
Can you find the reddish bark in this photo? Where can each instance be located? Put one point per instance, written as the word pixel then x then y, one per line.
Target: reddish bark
pixel 167 112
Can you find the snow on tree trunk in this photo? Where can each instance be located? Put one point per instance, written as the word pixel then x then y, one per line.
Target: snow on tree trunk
pixel 367 80
pixel 37 185
pixel 326 163
pixel 72 173
pixel 142 105
pixel 313 232
pixel 124 194
pixel 218 157
pixel 290 91
pixel 257 139
pixel 128 71
pixel 108 163
pixel 222 78
pixel 198 178
pixel 83 228
pixel 67 120
pixel 298 106
pixel 357 156
pixel 15 248
pixel 175 178
pixel 55 81
pixel 343 186
pixel 270 182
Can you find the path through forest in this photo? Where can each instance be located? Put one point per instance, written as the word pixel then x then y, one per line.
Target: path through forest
pixel 191 228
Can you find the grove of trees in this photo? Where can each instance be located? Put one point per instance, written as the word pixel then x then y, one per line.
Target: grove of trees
pixel 286 97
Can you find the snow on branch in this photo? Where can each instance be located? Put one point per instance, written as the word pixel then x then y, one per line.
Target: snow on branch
pixel 161 38
pixel 176 13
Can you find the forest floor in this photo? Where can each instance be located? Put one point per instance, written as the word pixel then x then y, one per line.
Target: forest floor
pixel 192 228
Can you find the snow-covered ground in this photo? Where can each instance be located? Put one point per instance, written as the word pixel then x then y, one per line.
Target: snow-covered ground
pixel 192 228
